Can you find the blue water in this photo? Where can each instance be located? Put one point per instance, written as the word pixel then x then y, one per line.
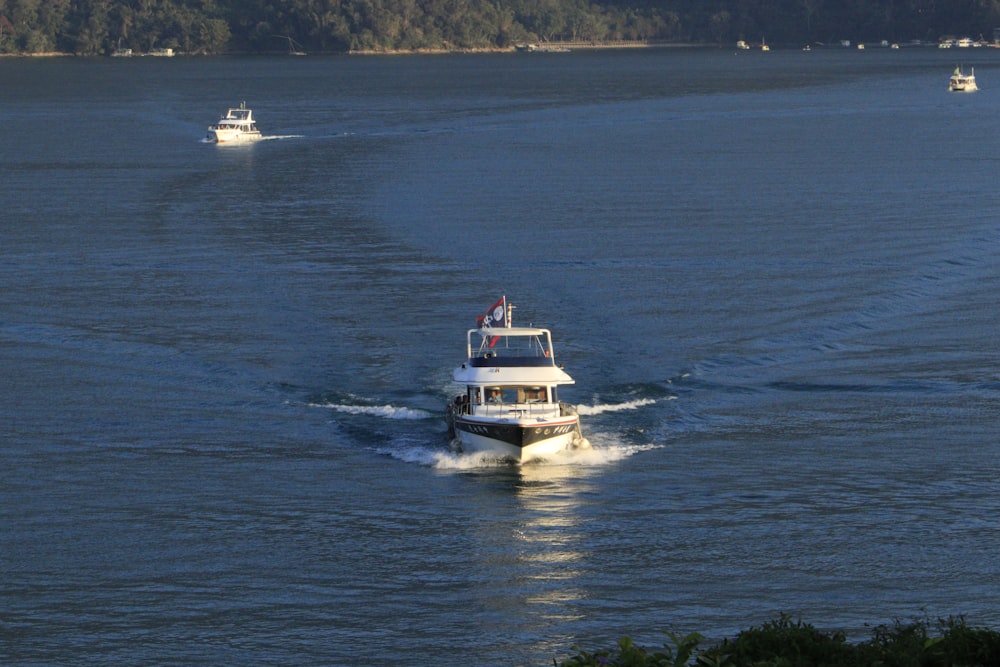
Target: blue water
pixel 222 370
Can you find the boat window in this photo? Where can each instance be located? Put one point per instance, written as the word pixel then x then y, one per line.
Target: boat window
pixel 519 394
pixel 532 394
pixel 523 394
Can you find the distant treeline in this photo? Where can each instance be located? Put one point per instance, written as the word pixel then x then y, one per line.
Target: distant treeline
pixel 94 27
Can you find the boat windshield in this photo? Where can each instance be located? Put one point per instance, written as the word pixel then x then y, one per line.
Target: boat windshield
pixel 515 346
pixel 517 394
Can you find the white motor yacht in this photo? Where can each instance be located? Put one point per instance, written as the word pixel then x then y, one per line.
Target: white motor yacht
pixel 510 408
pixel 236 127
pixel 960 82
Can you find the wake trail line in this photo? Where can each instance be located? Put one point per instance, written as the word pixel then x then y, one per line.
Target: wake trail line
pixel 386 411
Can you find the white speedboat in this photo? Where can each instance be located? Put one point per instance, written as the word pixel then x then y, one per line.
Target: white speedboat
pixel 236 127
pixel 961 82
pixel 510 408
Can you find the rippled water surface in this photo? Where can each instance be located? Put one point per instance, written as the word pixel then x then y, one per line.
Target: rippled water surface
pixel 773 276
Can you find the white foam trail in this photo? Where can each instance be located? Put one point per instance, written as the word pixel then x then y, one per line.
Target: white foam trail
pixel 449 460
pixel 616 407
pixel 593 456
pixel 267 137
pixel 596 456
pixel 385 411
pixel 441 459
pixel 457 461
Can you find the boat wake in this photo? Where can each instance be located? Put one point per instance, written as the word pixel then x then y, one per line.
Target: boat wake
pixel 590 410
pixel 385 411
pixel 602 450
pixel 425 445
pixel 266 137
pixel 395 412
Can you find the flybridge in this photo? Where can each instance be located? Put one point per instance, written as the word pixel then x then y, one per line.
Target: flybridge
pixel 511 346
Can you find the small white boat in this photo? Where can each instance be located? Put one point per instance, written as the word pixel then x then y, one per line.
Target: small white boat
pixel 510 408
pixel 236 127
pixel 961 82
pixel 541 48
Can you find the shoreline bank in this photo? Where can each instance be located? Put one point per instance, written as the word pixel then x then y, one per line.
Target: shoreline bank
pixel 541 47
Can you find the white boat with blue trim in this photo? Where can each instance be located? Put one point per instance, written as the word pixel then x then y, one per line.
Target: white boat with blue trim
pixel 510 408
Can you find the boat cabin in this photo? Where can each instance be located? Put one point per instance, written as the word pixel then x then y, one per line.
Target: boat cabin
pixel 240 119
pixel 510 370
pixel 241 114
pixel 509 401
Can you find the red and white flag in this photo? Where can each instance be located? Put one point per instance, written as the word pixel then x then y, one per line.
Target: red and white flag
pixel 495 317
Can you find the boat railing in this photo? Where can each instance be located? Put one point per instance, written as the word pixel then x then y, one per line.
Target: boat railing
pixel 517 410
pixel 531 347
pixel 513 342
pixel 494 359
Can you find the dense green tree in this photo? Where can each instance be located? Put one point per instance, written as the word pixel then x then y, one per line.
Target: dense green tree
pixel 331 26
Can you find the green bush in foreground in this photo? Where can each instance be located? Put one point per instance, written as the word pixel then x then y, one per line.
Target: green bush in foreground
pixel 787 643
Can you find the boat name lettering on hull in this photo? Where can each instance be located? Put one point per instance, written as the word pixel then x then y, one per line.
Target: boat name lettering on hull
pixel 555 430
pixel 519 436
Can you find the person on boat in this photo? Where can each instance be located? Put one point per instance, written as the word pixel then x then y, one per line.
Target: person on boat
pixel 494 396
pixel 535 396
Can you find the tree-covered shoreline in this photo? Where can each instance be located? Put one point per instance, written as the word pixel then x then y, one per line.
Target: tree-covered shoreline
pixel 785 642
pixel 102 27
